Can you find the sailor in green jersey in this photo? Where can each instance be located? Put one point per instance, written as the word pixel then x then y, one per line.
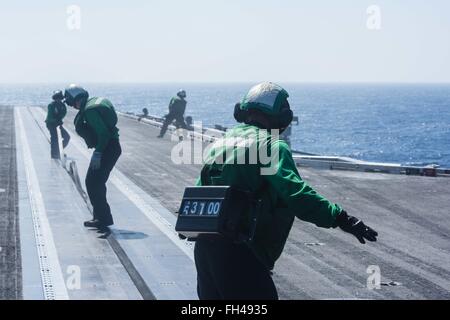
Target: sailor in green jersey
pixel 177 107
pixel 96 124
pixel 56 111
pixel 230 270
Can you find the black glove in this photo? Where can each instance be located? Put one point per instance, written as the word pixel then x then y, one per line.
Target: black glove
pixel 356 227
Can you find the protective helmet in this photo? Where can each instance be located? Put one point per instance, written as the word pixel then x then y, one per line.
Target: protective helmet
pixel 181 93
pixel 270 99
pixel 57 95
pixel 73 93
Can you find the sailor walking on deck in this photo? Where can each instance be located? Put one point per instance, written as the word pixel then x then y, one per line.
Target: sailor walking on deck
pixel 228 269
pixel 56 111
pixel 177 107
pixel 96 123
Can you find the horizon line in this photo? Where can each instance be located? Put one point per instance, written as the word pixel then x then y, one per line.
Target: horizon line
pixel 223 82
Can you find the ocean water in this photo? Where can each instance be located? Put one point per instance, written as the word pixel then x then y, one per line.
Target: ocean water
pixel 400 123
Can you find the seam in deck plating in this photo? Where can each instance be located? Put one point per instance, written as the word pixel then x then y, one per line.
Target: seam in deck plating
pixel 52 279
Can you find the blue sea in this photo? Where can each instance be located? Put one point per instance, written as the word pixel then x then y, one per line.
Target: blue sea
pixel 400 123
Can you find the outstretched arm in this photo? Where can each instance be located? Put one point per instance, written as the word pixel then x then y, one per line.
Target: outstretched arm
pixel 308 205
pixel 303 200
pixel 356 227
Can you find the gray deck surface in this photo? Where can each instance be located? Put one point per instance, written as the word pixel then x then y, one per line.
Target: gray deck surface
pixel 143 229
pixel 10 266
pixel 410 213
pixel 101 274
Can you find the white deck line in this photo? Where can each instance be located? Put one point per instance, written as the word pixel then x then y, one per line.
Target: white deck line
pixel 51 274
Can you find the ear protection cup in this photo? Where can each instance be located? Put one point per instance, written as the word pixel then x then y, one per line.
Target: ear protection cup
pixel 282 120
pixel 239 114
pixel 285 118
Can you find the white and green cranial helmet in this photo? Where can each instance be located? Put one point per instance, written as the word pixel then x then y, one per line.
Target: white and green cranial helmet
pixel 181 93
pixel 268 98
pixel 73 93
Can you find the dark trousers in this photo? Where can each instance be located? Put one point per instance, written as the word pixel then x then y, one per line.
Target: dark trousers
pixel 228 271
pixel 54 145
pixel 96 182
pixel 169 118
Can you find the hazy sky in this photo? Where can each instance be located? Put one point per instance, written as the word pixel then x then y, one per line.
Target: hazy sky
pixel 224 40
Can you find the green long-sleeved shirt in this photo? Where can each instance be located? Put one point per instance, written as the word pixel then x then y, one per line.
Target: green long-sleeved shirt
pixel 56 111
pixel 284 194
pixel 96 123
pixel 177 107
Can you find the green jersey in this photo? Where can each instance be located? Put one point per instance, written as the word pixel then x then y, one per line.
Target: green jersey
pixel 56 111
pixel 96 123
pixel 177 107
pixel 236 161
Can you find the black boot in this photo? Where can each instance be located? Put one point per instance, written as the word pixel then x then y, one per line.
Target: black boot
pixel 93 224
pixel 104 232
